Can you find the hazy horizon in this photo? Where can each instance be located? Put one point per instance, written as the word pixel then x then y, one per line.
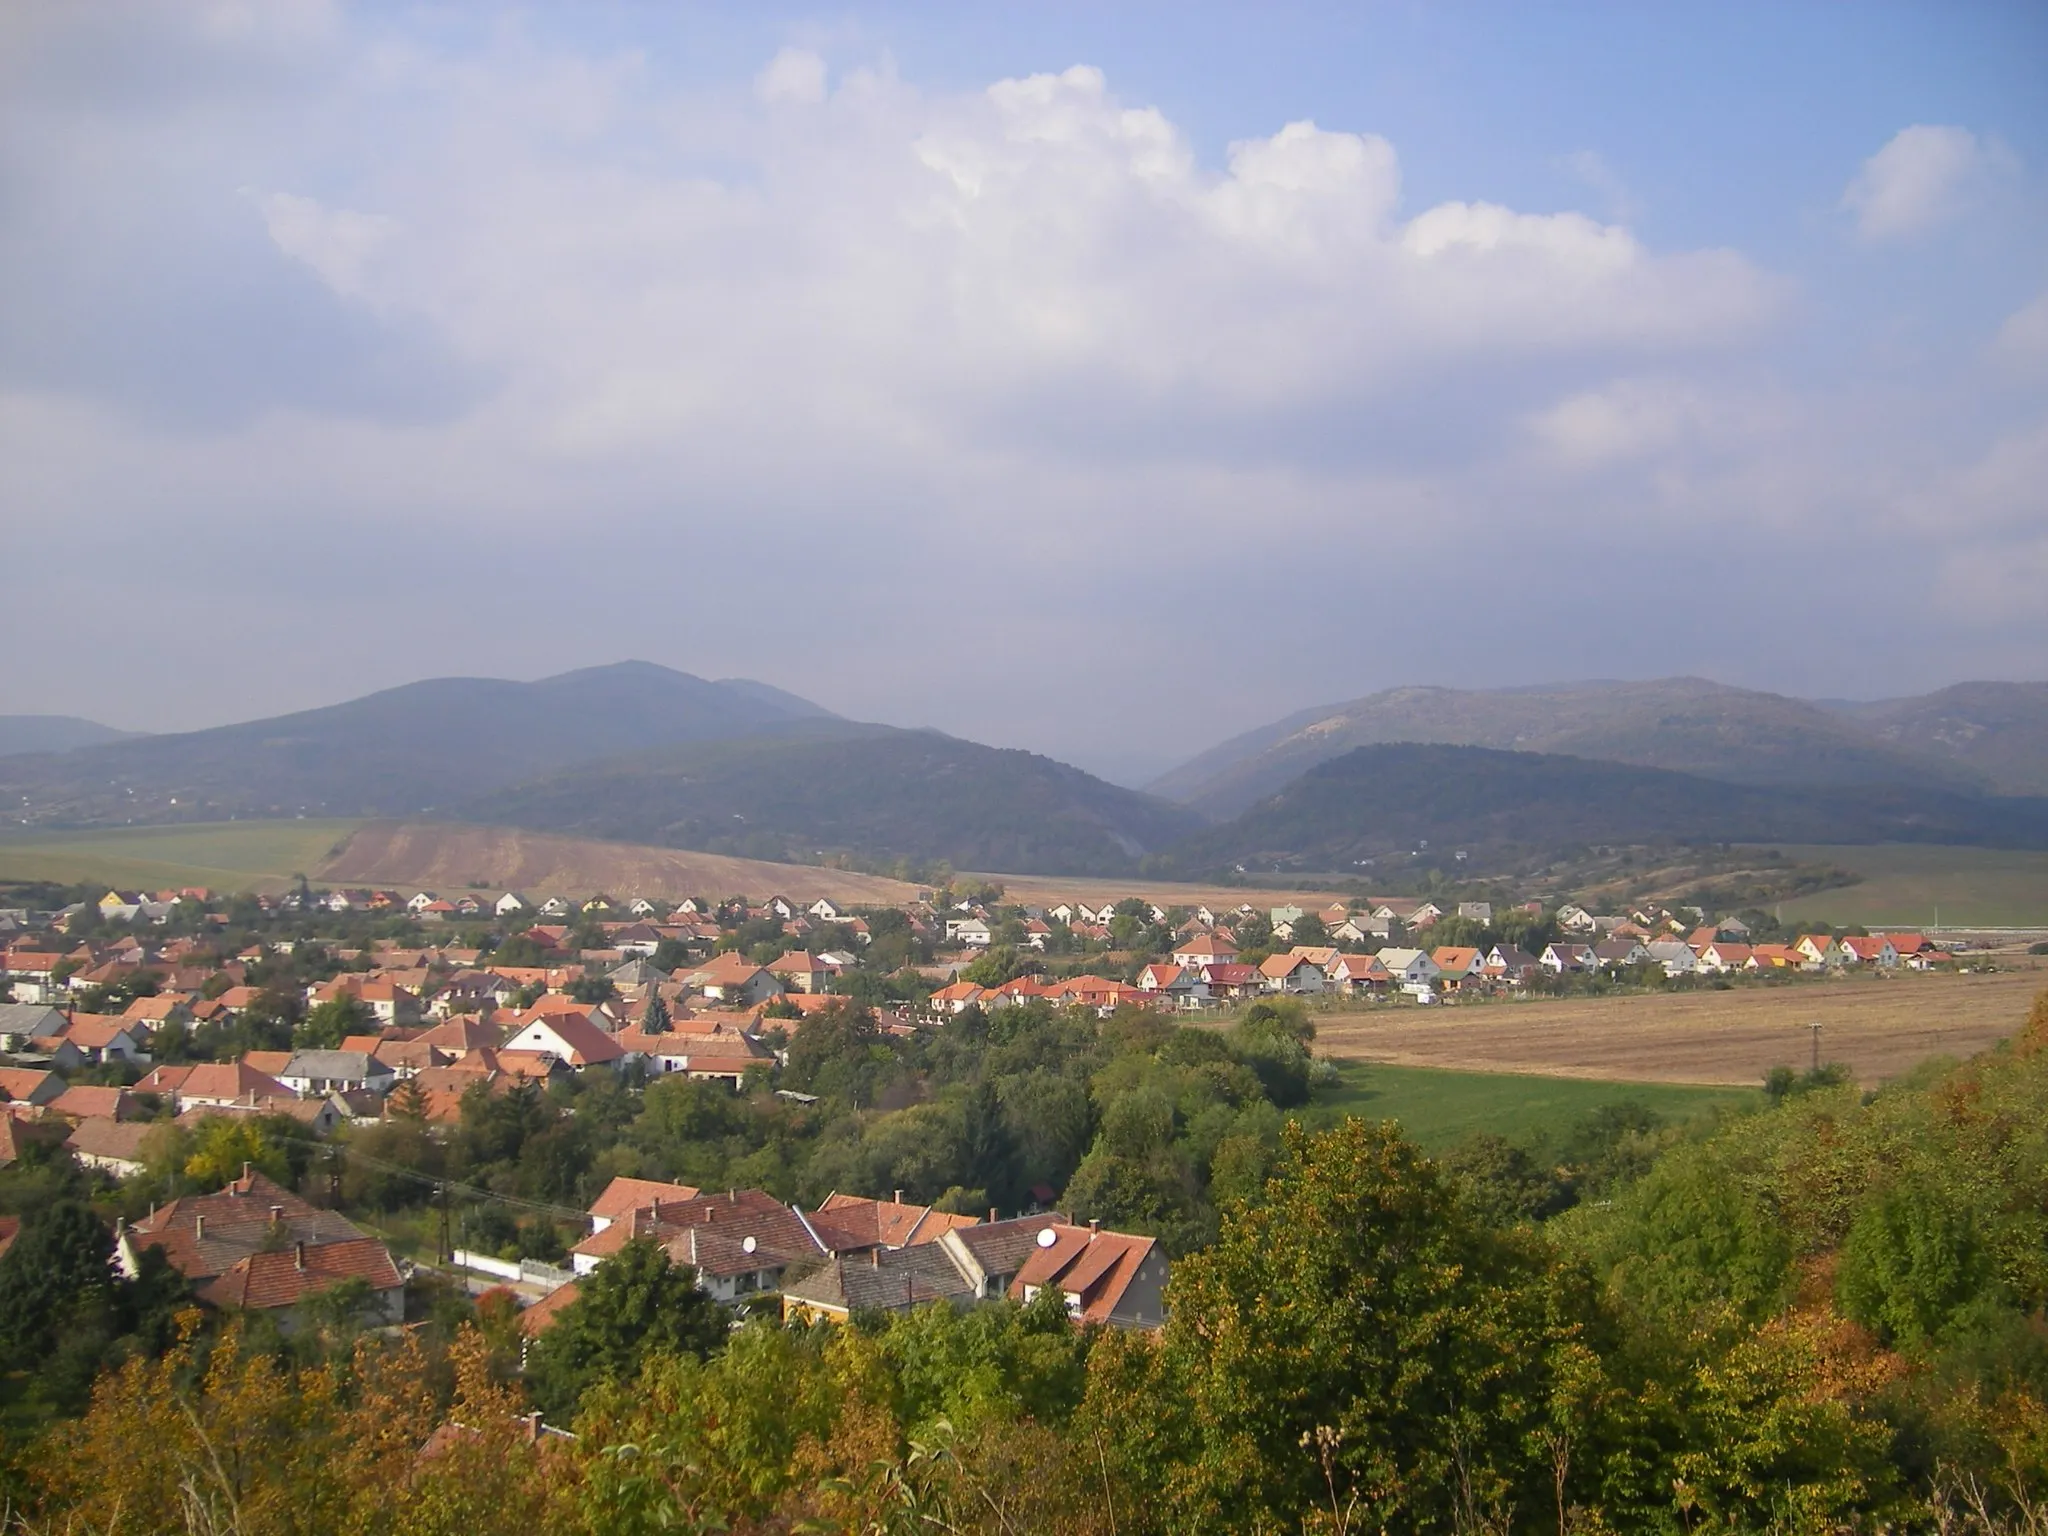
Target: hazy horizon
pixel 1102 381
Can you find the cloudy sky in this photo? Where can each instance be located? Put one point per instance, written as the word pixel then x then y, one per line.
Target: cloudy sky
pixel 1098 379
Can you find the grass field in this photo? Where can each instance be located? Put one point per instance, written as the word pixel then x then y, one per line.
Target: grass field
pixel 1437 1107
pixel 228 855
pixel 1910 884
pixel 1878 1028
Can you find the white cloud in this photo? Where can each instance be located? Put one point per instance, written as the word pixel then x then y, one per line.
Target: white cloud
pixel 336 243
pixel 1923 177
pixel 794 74
pixel 2023 338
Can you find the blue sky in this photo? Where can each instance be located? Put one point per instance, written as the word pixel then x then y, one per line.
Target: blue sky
pixel 1039 373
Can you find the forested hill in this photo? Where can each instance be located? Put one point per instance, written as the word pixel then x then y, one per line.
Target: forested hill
pixel 53 733
pixel 403 751
pixel 1973 741
pixel 872 792
pixel 1381 800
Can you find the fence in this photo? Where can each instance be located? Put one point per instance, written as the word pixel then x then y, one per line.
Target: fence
pixel 528 1270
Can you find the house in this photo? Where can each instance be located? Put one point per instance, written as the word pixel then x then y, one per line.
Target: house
pixel 1296 975
pixel 152 1013
pixel 1573 918
pixel 1674 955
pixel 876 1280
pixel 1204 949
pixel 957 998
pixel 1871 950
pixel 256 1246
pixel 570 1036
pixel 1355 974
pixel 84 1101
pixel 1231 980
pixel 623 1196
pixel 1775 957
pixel 109 1145
pixel 1105 1277
pixel 855 1223
pixel 741 1243
pixel 734 980
pixel 1513 963
pixel 1408 967
pixel 214 1084
pixel 1564 956
pixel 1480 912
pixel 1610 953
pixel 969 932
pixel 319 1073
pixel 100 1039
pixel 1458 963
pixel 508 904
pixel 826 910
pixel 1817 951
pixel 22 1129
pixel 29 1085
pixel 800 971
pixel 1723 955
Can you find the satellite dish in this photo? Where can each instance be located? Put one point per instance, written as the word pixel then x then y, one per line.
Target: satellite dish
pixel 746 1245
pixel 1047 1237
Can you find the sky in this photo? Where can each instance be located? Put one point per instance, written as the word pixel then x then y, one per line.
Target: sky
pixel 1103 380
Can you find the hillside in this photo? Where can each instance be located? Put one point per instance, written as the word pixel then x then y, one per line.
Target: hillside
pixel 1377 801
pixel 53 733
pixel 403 751
pixel 1685 724
pixel 441 857
pixel 868 791
pixel 1996 730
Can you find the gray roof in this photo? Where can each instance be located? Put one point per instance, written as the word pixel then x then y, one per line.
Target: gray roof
pixel 29 1019
pixel 333 1065
pixel 1000 1247
pixel 890 1279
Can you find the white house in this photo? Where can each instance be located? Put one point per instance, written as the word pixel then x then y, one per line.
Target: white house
pixel 508 904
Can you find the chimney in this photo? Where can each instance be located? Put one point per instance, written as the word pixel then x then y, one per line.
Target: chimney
pixel 533 1427
pixel 732 1197
pixel 874 1258
pixel 1094 1226
pixel 299 1255
pixel 991 1215
pixel 199 1226
pixel 899 1197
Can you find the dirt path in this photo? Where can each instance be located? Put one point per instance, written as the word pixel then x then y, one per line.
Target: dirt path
pixel 1879 1028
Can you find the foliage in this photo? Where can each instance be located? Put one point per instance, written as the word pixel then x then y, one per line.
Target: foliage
pixel 635 1304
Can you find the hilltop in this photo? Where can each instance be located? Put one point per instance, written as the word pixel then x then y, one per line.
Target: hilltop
pixel 403 751
pixel 1380 801
pixel 1689 725
pixel 53 733
pixel 871 792
pixel 1997 730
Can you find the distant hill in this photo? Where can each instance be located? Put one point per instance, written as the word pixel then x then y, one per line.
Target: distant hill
pixel 400 752
pixel 1686 724
pixel 53 733
pixel 824 787
pixel 1376 801
pixel 1997 730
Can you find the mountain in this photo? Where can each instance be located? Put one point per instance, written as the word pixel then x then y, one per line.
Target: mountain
pixel 832 787
pixel 53 733
pixel 1687 724
pixel 1389 799
pixel 399 752
pixel 1997 730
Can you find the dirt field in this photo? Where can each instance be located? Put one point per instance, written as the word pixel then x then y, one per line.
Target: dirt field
pixel 1878 1028
pixel 447 858
pixel 1045 890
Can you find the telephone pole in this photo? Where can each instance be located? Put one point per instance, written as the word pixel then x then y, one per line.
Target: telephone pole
pixel 1815 1027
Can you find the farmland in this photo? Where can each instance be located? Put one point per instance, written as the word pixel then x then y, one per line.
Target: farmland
pixel 1437 1106
pixel 1878 1028
pixel 229 855
pixel 1914 885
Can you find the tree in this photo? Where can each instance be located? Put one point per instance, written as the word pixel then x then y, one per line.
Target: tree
pixel 1359 1302
pixel 1915 1257
pixel 333 1022
pixel 839 1052
pixel 59 1264
pixel 222 1144
pixel 655 1021
pixel 633 1305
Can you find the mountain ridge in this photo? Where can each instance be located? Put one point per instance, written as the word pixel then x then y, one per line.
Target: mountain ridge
pixel 1686 724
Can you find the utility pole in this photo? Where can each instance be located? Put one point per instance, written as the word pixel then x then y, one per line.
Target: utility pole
pixel 1815 1027
pixel 443 1253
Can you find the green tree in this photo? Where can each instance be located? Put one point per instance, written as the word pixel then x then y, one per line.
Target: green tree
pixel 1915 1258
pixel 333 1022
pixel 635 1304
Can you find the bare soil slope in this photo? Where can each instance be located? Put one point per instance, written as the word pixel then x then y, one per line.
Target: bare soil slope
pixel 1878 1028
pixel 439 856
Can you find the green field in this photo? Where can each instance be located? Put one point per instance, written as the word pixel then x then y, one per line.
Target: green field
pixel 225 856
pixel 1438 1107
pixel 1905 883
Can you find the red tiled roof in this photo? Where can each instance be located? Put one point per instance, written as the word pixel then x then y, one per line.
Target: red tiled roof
pixel 285 1277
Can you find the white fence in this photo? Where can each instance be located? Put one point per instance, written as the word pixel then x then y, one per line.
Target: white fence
pixel 504 1269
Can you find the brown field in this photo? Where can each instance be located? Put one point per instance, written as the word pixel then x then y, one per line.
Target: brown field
pixel 1045 890
pixel 438 856
pixel 1877 1028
